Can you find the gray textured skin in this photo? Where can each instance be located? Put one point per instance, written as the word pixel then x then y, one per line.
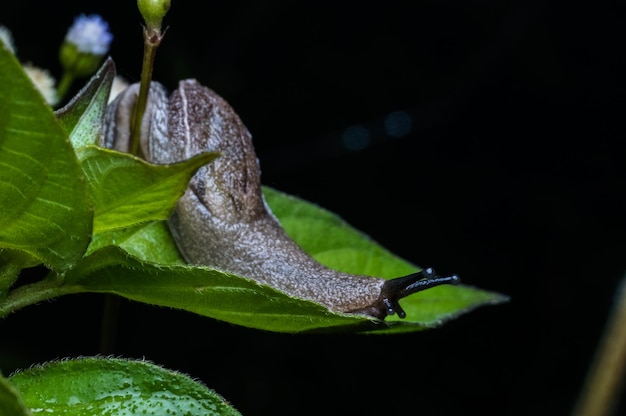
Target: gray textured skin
pixel 222 220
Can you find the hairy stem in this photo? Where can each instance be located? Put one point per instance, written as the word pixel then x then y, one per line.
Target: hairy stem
pixel 48 288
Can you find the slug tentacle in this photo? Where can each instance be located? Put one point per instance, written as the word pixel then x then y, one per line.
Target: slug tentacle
pixel 400 287
pixel 223 220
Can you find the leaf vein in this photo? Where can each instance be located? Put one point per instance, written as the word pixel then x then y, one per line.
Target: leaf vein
pixel 55 203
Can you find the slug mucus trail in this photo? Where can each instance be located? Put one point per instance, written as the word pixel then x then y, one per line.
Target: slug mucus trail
pixel 223 221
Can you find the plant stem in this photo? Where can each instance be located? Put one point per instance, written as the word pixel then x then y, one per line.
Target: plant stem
pixel 152 40
pixel 9 272
pixel 64 85
pixel 108 329
pixel 601 392
pixel 50 287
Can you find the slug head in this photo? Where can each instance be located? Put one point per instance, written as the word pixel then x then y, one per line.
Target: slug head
pixel 395 289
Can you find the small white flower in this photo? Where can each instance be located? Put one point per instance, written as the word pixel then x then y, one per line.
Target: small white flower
pixel 7 38
pixel 43 81
pixel 90 34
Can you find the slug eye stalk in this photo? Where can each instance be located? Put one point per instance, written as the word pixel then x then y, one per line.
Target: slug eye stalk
pixel 400 287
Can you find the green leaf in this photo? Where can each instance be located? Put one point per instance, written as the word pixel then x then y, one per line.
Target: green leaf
pixel 151 242
pixel 83 116
pixel 11 263
pixel 201 290
pixel 241 301
pixel 127 191
pixel 334 243
pixel 10 401
pixel 112 386
pixel 44 206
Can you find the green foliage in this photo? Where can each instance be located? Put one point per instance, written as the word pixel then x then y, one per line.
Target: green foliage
pixel 82 116
pixel 11 402
pixel 45 206
pixel 95 218
pixel 127 191
pixel 124 203
pixel 111 386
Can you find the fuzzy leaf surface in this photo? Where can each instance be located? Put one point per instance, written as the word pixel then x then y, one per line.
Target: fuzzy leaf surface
pixel 10 400
pixel 112 386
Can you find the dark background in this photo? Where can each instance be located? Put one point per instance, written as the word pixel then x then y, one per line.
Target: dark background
pixel 510 175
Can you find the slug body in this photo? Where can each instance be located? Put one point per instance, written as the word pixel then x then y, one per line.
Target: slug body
pixel 223 221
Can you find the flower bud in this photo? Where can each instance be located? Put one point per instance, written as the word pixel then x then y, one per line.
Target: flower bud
pixel 153 12
pixel 85 44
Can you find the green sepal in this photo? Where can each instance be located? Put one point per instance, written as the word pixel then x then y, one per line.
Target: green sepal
pixel 83 116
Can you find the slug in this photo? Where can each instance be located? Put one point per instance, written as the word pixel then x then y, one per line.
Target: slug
pixel 223 221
